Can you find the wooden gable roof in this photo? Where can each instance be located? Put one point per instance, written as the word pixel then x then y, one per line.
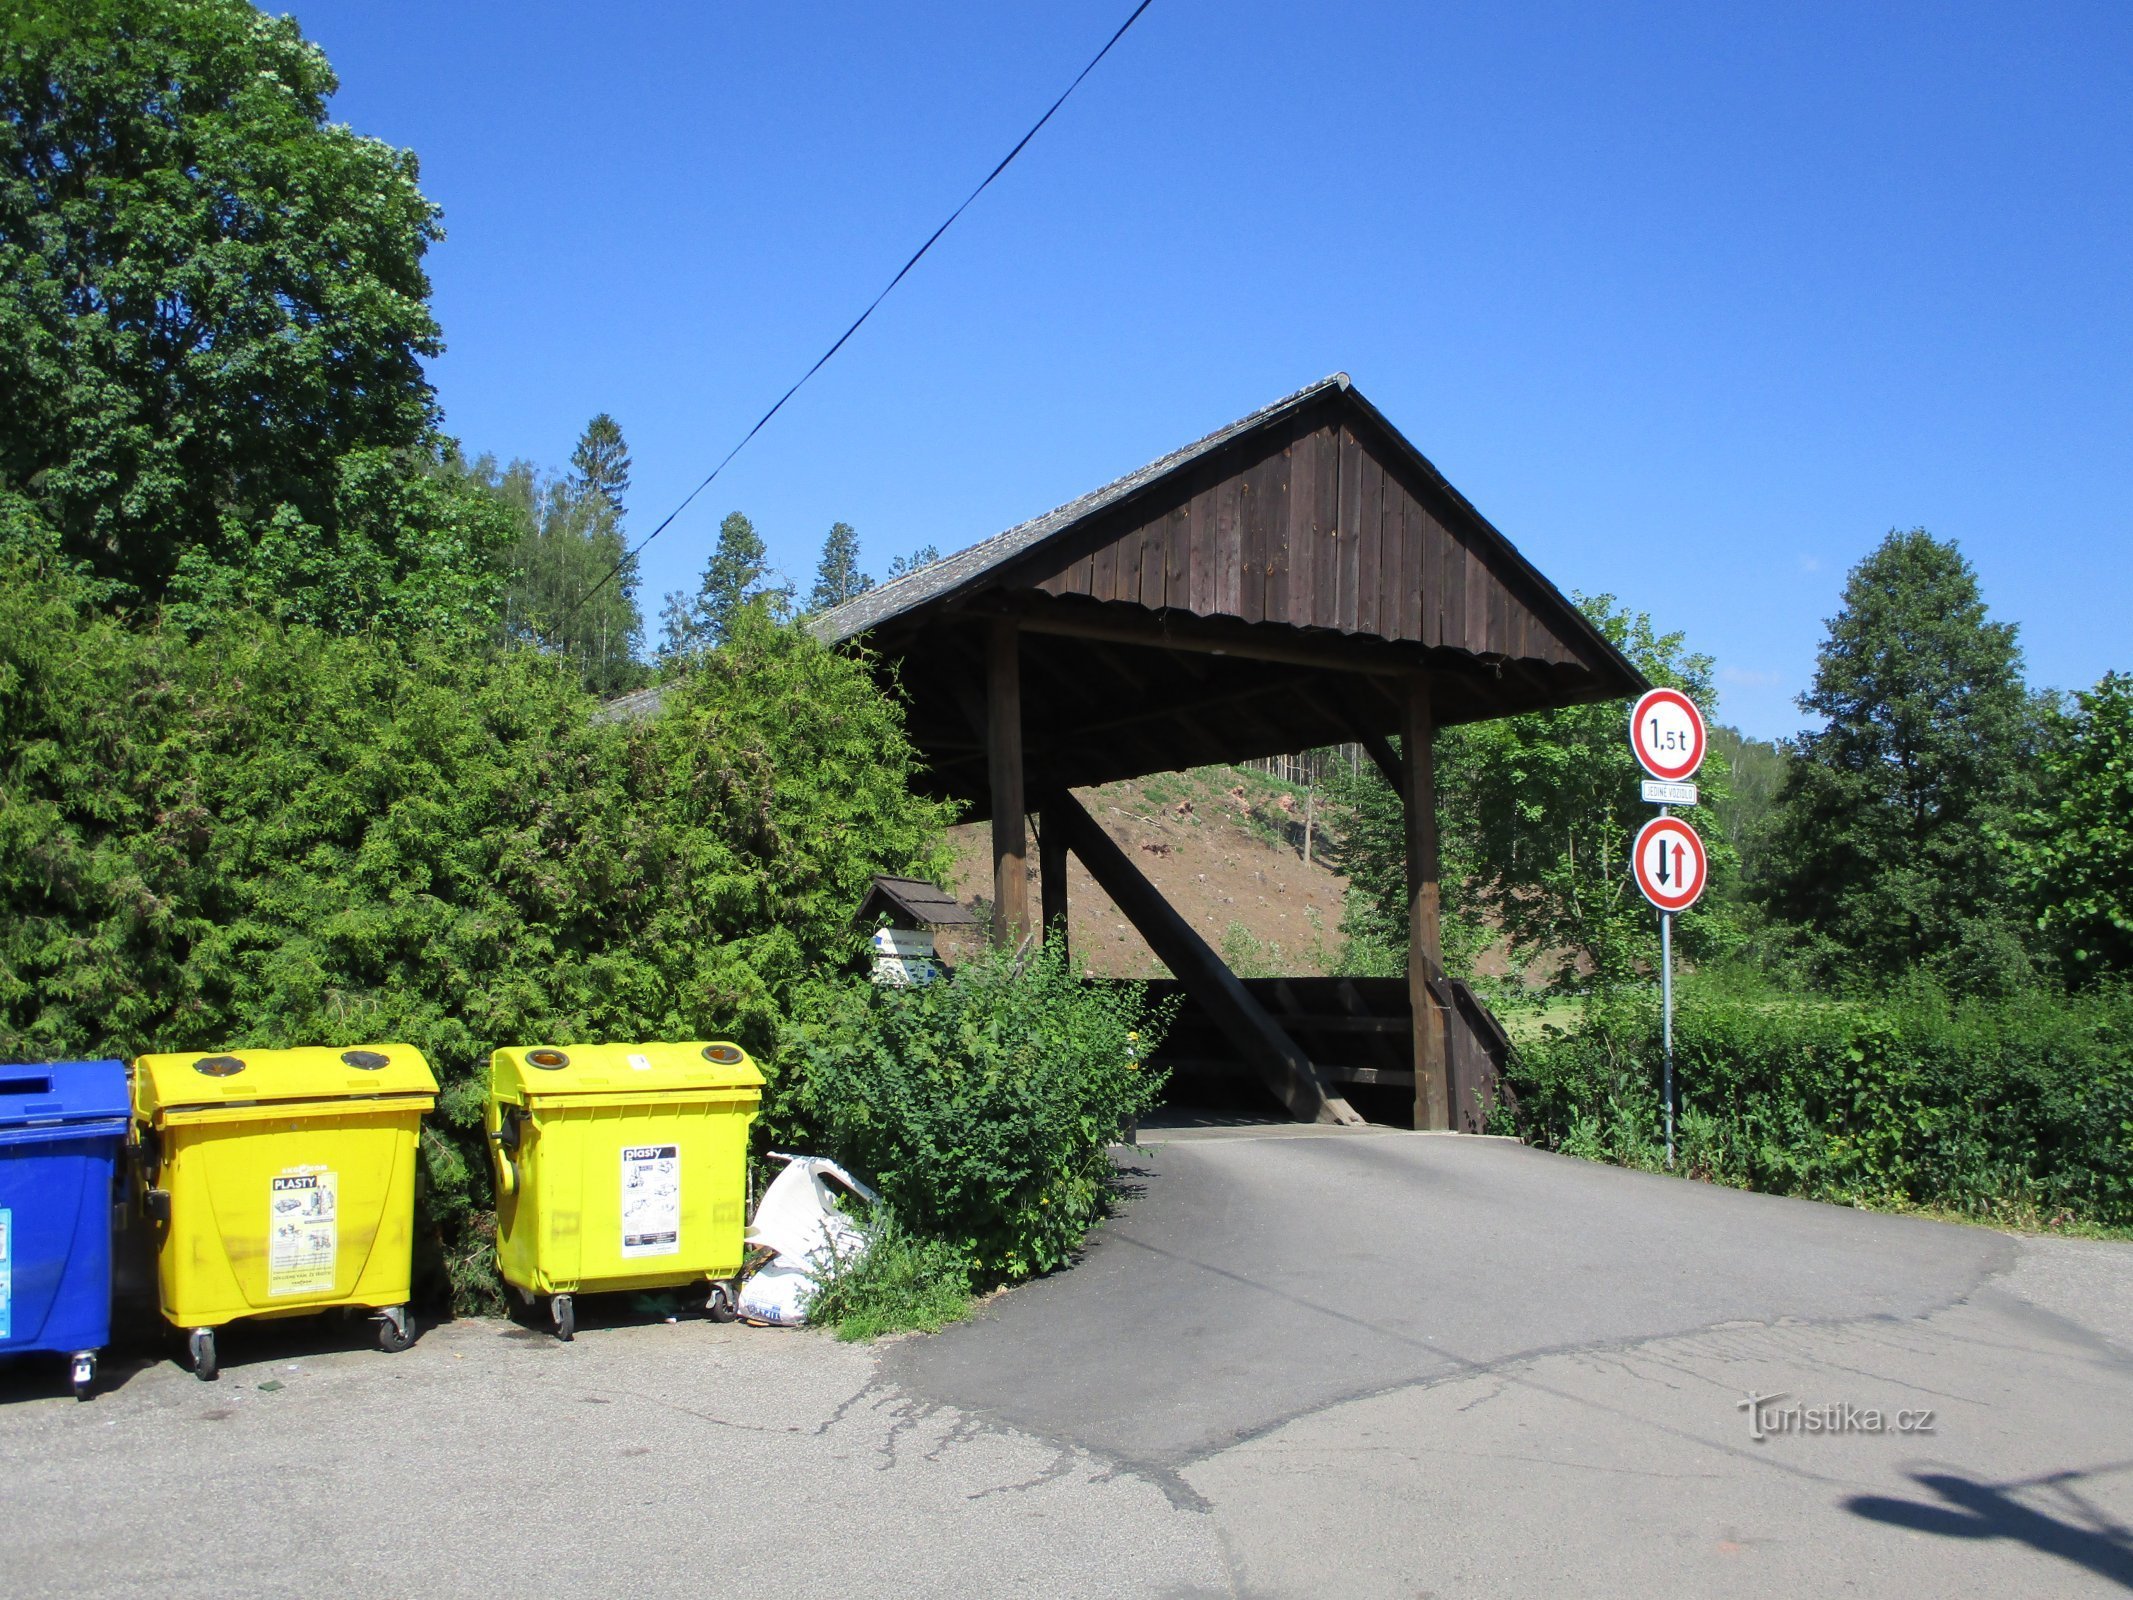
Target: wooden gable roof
pixel 1269 588
pixel 1313 513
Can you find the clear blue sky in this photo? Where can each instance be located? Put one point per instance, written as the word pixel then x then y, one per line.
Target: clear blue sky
pixel 1695 304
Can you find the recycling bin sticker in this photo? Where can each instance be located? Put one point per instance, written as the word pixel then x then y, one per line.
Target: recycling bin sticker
pixel 7 1274
pixel 303 1232
pixel 651 1200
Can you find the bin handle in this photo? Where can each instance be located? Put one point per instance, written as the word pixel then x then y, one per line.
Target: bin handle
pixel 150 1144
pixel 505 1139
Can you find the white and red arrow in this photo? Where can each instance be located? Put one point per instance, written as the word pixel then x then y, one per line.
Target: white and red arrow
pixel 1669 863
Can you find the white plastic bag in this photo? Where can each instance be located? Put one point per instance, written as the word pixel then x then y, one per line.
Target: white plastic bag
pixel 798 1218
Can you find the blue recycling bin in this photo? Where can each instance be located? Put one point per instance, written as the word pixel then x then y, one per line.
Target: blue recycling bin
pixel 62 1125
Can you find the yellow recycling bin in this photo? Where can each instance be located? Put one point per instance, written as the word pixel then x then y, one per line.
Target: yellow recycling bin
pixel 621 1166
pixel 281 1182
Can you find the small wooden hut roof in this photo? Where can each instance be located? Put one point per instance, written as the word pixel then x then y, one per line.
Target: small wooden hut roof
pixel 923 904
pixel 1272 587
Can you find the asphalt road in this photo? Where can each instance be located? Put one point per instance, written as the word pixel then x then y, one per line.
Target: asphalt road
pixel 1299 1364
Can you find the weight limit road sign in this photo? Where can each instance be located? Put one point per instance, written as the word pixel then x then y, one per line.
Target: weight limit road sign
pixel 1666 731
pixel 1669 863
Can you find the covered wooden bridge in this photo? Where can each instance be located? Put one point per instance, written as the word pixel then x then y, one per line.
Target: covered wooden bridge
pixel 1303 577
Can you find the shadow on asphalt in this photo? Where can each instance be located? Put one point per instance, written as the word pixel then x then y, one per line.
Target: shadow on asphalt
pixel 1967 1508
pixel 139 1347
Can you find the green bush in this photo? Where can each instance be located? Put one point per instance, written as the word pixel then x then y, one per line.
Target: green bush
pixel 268 835
pixel 2017 1110
pixel 981 1106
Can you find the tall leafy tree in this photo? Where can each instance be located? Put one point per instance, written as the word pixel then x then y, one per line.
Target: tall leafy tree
pixel 213 314
pixel 837 574
pixel 1879 852
pixel 600 463
pixel 1757 769
pixel 2073 853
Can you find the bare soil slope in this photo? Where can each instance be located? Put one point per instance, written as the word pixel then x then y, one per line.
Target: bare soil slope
pixel 1226 848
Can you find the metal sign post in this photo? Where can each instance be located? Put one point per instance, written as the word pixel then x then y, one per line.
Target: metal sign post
pixel 1666 733
pixel 1666 992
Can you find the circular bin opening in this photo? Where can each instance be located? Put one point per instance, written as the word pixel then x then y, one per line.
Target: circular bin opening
pixel 725 1055
pixel 219 1066
pixel 548 1060
pixel 365 1060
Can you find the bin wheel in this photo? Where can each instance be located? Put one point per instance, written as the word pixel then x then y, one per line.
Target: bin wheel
pixel 724 1305
pixel 200 1345
pixel 84 1373
pixel 396 1331
pixel 566 1320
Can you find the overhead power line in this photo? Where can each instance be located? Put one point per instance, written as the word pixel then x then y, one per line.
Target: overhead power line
pixel 860 321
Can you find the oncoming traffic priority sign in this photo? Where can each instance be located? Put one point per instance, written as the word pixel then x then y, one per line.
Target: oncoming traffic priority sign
pixel 1666 732
pixel 1669 863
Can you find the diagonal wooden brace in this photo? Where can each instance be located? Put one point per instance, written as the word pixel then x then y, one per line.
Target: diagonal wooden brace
pixel 1257 1037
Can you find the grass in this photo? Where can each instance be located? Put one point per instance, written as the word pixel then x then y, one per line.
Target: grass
pixel 903 1284
pixel 2007 1216
pixel 1525 1022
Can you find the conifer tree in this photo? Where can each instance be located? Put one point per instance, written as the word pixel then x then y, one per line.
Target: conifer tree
pixel 837 575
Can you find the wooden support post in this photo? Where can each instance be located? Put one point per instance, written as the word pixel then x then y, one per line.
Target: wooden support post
pixel 1011 923
pixel 1266 1048
pixel 1052 873
pixel 1425 941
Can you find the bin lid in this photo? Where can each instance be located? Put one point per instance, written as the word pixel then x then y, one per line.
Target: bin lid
pixel 664 1067
pixel 324 1072
pixel 61 1091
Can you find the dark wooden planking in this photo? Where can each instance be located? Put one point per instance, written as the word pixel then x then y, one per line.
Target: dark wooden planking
pixel 1352 1034
pixel 1200 577
pixel 1499 616
pixel 1229 547
pixel 1326 517
pixel 1155 562
pixel 1303 536
pixel 1257 507
pixel 1177 556
pixel 1472 624
pixel 1391 558
pixel 1126 573
pixel 1324 525
pixel 1388 584
pixel 1280 477
pixel 1454 595
pixel 1072 578
pixel 1413 530
pixel 1431 549
pixel 1392 561
pixel 1370 539
pixel 1155 559
pixel 1103 563
pixel 1350 489
pixel 1133 579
